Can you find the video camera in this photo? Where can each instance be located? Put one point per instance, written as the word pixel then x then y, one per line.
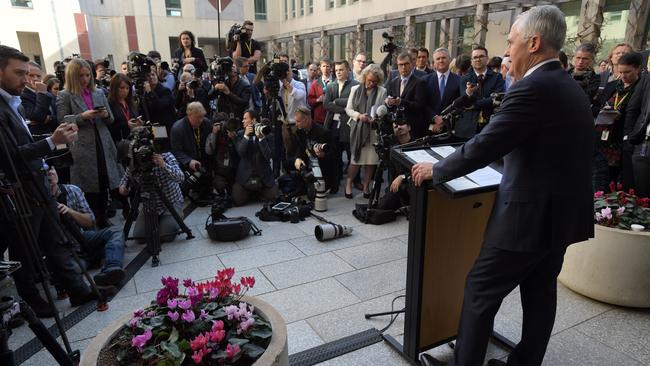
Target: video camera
pixel 139 66
pixel 144 142
pixel 105 80
pixel 220 68
pixel 388 46
pixel 59 67
pixel 271 73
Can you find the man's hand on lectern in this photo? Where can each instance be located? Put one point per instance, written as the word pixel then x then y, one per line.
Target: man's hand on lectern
pixel 421 172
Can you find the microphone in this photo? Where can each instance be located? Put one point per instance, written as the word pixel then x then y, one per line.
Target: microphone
pixel 461 102
pixel 382 111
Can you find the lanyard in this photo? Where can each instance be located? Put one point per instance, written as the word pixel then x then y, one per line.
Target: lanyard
pixel 617 102
pixel 248 47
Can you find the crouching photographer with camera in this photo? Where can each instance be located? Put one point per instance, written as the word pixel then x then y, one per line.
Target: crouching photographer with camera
pixel 168 176
pixel 315 141
pixel 254 174
pixel 188 138
pixel 232 91
pixel 220 147
pixel 397 194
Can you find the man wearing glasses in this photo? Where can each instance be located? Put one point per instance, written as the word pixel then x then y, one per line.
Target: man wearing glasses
pixel 478 84
pixel 358 64
pixel 247 47
pixel 409 92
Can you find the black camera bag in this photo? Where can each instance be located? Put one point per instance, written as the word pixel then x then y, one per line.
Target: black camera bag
pixel 373 216
pixel 230 228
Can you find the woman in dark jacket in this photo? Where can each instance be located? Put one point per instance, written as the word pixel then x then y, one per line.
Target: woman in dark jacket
pixel 120 99
pixel 188 53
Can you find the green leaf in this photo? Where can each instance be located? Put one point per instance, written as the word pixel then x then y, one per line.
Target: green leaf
pixel 252 350
pixel 172 349
pixel 166 362
pixel 262 333
pixel 157 321
pixel 174 336
pixel 238 341
pixel 184 345
pixel 149 352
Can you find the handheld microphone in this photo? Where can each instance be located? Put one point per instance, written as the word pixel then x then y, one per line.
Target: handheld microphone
pixel 382 111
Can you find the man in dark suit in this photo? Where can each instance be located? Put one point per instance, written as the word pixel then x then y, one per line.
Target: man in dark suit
pixel 28 159
pixel 394 73
pixel 160 102
pixel 443 87
pixel 545 200
pixel 409 91
pixel 254 174
pixel 479 83
pixel 37 102
pixel 422 61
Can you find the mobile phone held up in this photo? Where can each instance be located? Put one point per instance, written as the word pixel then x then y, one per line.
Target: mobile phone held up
pixel 99 108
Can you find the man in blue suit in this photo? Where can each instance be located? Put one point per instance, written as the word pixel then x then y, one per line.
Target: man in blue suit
pixel 545 200
pixel 443 87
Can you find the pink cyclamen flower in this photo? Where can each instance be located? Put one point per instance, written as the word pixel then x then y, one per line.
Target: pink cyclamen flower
pixel 134 322
pixel 599 194
pixel 138 313
pixel 620 210
pixel 246 324
pixel 218 325
pixel 185 304
pixel 140 340
pixel 598 216
pixel 188 316
pixel 607 213
pixel 151 314
pixel 214 292
pixel 187 282
pixel 173 315
pixel 232 350
pixel 232 312
pixel 198 342
pixel 198 355
pixel 203 315
pixel 172 303
pixel 217 336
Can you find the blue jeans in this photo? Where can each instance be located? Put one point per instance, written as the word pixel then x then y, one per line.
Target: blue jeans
pixel 111 240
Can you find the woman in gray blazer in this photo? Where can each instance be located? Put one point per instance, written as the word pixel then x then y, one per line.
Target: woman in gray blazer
pixel 95 169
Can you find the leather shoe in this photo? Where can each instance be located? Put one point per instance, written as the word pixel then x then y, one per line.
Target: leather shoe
pixel 495 362
pixel 428 360
pixel 111 277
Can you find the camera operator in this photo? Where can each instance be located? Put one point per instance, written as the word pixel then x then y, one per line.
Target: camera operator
pixel 37 101
pixel 311 136
pixel 293 96
pixel 103 74
pixel 107 243
pixel 169 176
pixel 220 146
pixel 233 93
pixel 254 173
pixel 189 90
pixel 247 47
pixel 397 194
pixel 583 72
pixel 160 102
pixel 188 138
pixel 14 69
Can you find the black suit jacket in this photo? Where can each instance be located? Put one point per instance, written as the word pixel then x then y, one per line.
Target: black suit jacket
pixel 493 83
pixel 37 110
pixel 414 99
pixel 545 199
pixel 199 58
pixel 160 103
pixel 452 91
pixel 637 114
pixel 255 156
pixel 183 142
pixel 395 74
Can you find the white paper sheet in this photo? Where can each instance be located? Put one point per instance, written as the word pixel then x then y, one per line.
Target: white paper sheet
pixel 443 151
pixel 485 177
pixel 462 183
pixel 421 156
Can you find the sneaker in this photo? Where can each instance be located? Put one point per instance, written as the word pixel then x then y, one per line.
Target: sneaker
pixel 113 276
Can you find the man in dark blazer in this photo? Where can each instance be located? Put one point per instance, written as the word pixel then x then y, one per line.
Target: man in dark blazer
pixel 409 91
pixel 545 200
pixel 479 84
pixel 336 120
pixel 37 102
pixel 28 159
pixel 188 137
pixel 254 175
pixel 443 87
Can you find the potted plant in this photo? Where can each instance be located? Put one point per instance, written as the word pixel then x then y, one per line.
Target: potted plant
pixel 614 266
pixel 209 323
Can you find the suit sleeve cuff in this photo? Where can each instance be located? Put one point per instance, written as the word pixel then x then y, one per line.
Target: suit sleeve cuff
pixel 51 143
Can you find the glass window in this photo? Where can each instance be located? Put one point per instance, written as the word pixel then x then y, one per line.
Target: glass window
pixel 420 34
pixel 368 43
pixel 22 3
pixel 260 9
pixel 330 4
pixel 311 6
pixel 173 8
pixel 467 35
pixel 330 51
pixel 302 7
pixel 343 2
pixel 343 43
pixel 293 8
pixel 286 9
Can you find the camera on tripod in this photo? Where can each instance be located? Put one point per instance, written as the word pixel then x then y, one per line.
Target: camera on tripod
pixel 220 68
pixel 145 141
pixel 272 72
pixel 105 80
pixel 139 67
pixel 389 46
pixel 59 67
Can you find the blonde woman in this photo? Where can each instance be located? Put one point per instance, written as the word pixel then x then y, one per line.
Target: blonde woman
pixel 95 169
pixel 363 97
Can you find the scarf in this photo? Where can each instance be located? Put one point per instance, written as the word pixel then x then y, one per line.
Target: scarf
pixel 360 133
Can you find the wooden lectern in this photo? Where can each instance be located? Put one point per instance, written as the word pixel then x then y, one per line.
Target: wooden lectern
pixel 446 229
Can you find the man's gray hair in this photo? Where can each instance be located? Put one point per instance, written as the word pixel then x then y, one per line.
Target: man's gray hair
pixel 586 47
pixel 547 21
pixel 442 49
pixel 195 107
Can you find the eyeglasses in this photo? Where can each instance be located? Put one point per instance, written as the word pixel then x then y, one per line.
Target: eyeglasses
pixel 360 61
pixel 478 57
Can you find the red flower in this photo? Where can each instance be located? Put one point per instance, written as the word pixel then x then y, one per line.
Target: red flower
pixel 236 289
pixel 632 192
pixel 612 186
pixel 198 342
pixel 619 186
pixel 226 274
pixel 248 281
pixel 232 350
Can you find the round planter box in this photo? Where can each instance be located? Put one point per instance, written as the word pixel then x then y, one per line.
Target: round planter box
pixel 613 267
pixel 276 354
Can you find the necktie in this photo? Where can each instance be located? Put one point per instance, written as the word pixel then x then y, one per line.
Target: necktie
pixel 197 138
pixel 402 85
pixel 441 87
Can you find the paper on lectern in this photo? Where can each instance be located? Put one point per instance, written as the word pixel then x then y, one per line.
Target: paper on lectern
pixel 420 156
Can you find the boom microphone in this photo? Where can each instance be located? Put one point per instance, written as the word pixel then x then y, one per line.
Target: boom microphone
pixel 382 111
pixel 462 102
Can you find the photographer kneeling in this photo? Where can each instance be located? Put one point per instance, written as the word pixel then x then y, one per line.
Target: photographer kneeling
pixel 232 91
pixel 169 176
pixel 254 173
pixel 220 146
pixel 397 194
pixel 106 243
pixel 317 141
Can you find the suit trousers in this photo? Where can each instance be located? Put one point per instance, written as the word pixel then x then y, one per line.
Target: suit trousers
pixel 495 274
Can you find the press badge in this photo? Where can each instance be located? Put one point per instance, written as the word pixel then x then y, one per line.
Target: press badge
pixel 605 135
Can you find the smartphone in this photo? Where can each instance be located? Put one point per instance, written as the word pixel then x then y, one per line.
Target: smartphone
pixel 280 206
pixel 99 108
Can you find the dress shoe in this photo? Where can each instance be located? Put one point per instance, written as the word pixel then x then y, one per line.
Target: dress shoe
pixel 428 360
pixel 113 276
pixel 366 195
pixel 495 362
pixel 41 308
pixel 82 298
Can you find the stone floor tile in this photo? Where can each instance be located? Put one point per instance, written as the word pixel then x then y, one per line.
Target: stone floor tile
pixel 374 253
pixel 375 355
pixel 306 269
pixel 350 320
pixel 385 231
pixel 179 251
pixel 304 301
pixel 623 329
pixel 127 290
pixel 572 348
pixel 310 245
pixel 260 256
pixel 272 234
pixel 43 357
pixel 376 281
pixel 301 337
pixel 148 278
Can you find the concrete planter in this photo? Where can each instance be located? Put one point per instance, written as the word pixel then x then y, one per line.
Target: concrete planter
pixel 613 267
pixel 276 354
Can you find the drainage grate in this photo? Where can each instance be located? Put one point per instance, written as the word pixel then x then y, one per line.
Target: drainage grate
pixel 336 348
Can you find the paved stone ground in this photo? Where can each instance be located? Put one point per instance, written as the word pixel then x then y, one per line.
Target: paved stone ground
pixel 323 290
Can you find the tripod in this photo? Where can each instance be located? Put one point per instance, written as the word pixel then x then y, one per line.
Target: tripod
pixel 147 191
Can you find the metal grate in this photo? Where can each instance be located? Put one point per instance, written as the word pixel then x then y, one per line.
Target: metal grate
pixel 336 348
